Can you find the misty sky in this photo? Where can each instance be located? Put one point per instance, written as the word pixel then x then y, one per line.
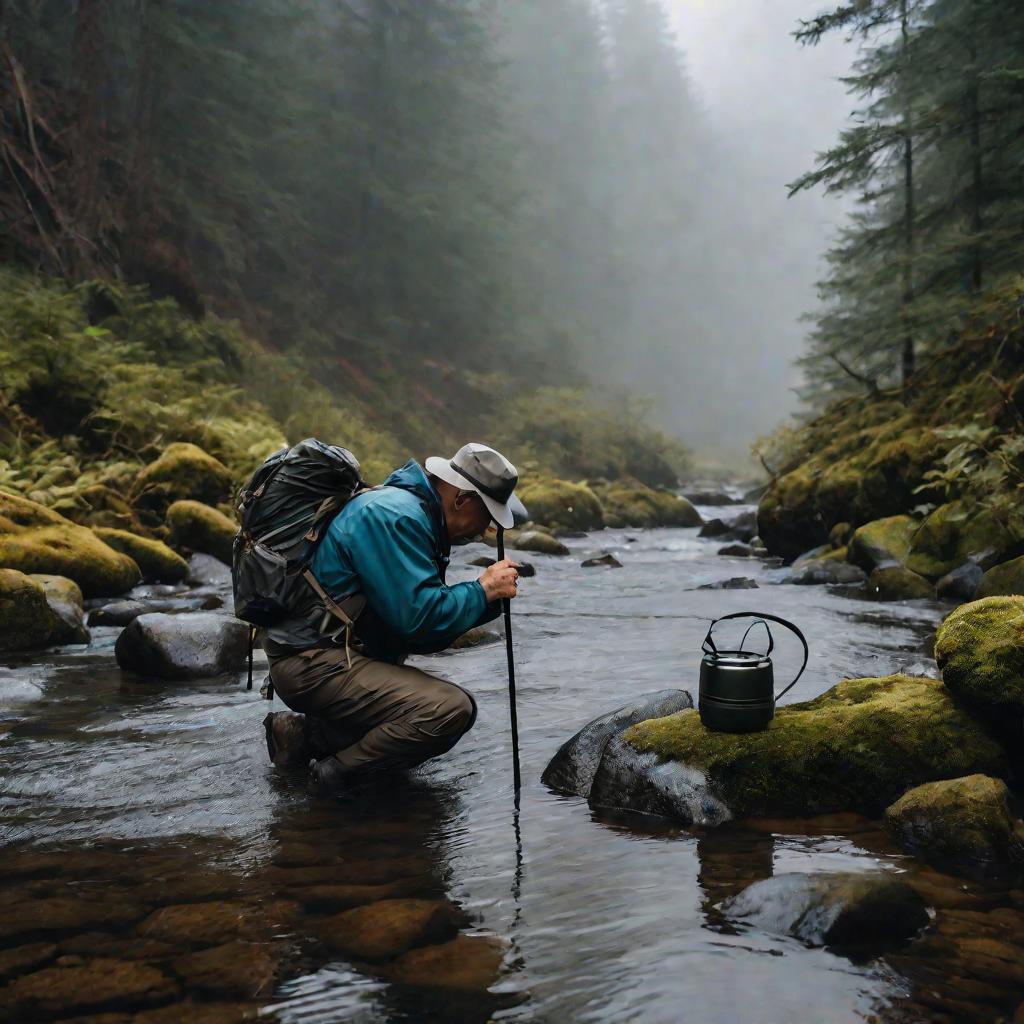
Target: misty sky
pixel 778 103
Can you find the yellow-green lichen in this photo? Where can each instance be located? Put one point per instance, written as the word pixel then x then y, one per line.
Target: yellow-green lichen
pixel 1003 580
pixel 26 619
pixel 639 506
pixel 198 527
pixel 898 583
pixel 951 534
pixel 183 471
pixel 554 502
pixel 157 562
pixel 856 747
pixel 882 542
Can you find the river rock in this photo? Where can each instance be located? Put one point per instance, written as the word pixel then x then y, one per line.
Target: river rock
pixel 734 583
pixel 27 619
pixel 898 583
pixel 714 528
pixel 482 562
pixel 980 649
pixel 207 571
pixel 35 539
pixel 840 535
pixel 553 502
pixel 825 571
pixel 883 542
pixel 76 986
pixel 384 930
pixel 183 470
pixel 637 506
pixel 65 599
pixel 564 533
pixel 157 562
pixel 194 925
pixel 235 968
pixel 573 767
pixel 744 526
pixel 23 959
pixel 841 909
pixel 196 527
pixel 474 638
pixel 54 914
pixel 1001 580
pixel 709 497
pixel 788 523
pixel 736 551
pixel 856 747
pixel 963 825
pixel 539 541
pixel 467 963
pixel 607 559
pixel 961 584
pixel 955 533
pixel 192 645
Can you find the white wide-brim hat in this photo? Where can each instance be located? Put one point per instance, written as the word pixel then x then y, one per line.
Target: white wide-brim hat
pixel 475 467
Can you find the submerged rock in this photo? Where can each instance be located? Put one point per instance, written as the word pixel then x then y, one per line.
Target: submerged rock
pixel 155 559
pixel 35 539
pixel 856 747
pixel 474 638
pixel 573 767
pixel 1001 580
pixel 842 909
pixel 980 649
pixel 28 620
pixel 200 528
pixel 735 583
pixel 961 584
pixel 554 503
pixel 736 551
pixel 388 928
pixel 897 583
pixel 467 963
pixel 192 645
pixel 607 559
pixel 963 825
pixel 882 543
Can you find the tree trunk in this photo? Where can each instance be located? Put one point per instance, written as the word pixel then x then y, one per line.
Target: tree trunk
pixel 86 148
pixel 908 203
pixel 977 179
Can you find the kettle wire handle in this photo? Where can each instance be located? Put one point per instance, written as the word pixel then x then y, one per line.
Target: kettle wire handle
pixel 709 644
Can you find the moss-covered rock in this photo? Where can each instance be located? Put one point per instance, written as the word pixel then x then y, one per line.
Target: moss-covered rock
pixel 638 506
pixel 856 747
pixel 898 583
pixel 65 599
pixel 158 563
pixel 539 541
pixel 953 534
pixel 980 649
pixel 183 471
pixel 197 527
pixel 26 619
pixel 98 505
pixel 553 502
pixel 882 542
pixel 963 825
pixel 1003 580
pixel 35 539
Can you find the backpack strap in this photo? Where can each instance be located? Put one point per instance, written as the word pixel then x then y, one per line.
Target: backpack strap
pixel 353 604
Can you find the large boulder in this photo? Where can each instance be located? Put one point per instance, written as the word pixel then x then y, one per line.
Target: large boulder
pixel 573 767
pixel 788 518
pixel 1001 580
pixel 189 646
pixel 198 527
pixel 539 541
pixel 157 562
pixel 27 620
pixel 963 825
pixel 64 597
pixel 182 471
pixel 980 649
pixel 962 583
pixel 898 583
pixel 864 911
pixel 955 533
pixel 856 747
pixel 35 539
pixel 635 505
pixel 882 543
pixel 554 502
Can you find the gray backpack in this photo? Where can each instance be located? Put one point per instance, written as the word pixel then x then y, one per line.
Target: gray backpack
pixel 285 510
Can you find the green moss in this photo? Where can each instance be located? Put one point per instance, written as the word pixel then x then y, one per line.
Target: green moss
pixel 552 502
pixel 183 471
pixel 1003 580
pixel 26 619
pixel 639 506
pixel 980 649
pixel 197 527
pixel 964 825
pixel 856 747
pixel 882 542
pixel 158 563
pixel 897 583
pixel 951 534
pixel 34 539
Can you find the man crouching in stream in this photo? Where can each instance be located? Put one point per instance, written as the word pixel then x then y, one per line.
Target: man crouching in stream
pixel 383 560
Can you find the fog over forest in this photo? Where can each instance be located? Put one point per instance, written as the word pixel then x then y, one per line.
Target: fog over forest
pixel 770 105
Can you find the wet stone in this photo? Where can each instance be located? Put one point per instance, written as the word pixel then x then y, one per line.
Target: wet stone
pixel 64 914
pixel 233 969
pixel 77 986
pixel 329 898
pixel 607 560
pixel 117 613
pixel 199 1013
pixel 736 551
pixel 196 924
pixel 207 571
pixel 384 930
pixel 22 959
pixel 735 583
pixel 187 646
pixel 103 945
pixel 475 637
pixel 468 963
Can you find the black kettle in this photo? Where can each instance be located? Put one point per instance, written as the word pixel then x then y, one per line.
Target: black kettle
pixel 737 688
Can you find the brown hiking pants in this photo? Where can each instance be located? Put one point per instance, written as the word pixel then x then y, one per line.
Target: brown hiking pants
pixel 372 716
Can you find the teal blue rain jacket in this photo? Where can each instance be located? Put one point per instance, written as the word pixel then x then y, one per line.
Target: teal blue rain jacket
pixel 392 545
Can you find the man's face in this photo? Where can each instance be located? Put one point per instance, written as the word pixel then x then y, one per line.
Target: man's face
pixel 468 516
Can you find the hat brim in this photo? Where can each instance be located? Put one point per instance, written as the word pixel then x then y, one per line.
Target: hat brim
pixel 503 514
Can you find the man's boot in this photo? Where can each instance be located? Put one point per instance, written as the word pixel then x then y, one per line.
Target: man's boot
pixel 327 777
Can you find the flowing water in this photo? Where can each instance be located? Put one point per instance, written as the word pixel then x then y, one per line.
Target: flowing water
pixel 152 861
